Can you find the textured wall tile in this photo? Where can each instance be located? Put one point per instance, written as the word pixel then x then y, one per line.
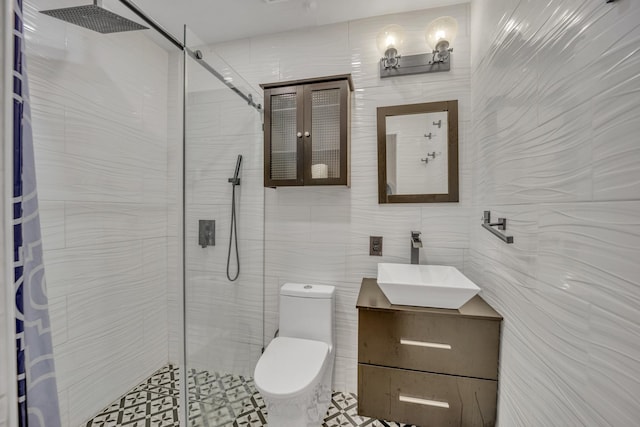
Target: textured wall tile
pixel 100 128
pixel 217 153
pixel 346 320
pixel 445 227
pixel 211 186
pixel 616 125
pixel 296 219
pixel 555 132
pixel 306 262
pixel 79 358
pixel 613 366
pixel 88 224
pixel 95 266
pixel 49 109
pixel 58 316
pixel 124 367
pixel 156 331
pixel 549 163
pixel 345 374
pixel 220 309
pixel 322 52
pixel 52 221
pixel 91 310
pixel 63 403
pixel 70 177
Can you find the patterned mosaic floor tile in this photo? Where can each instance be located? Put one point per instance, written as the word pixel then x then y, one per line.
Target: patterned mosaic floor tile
pixel 214 400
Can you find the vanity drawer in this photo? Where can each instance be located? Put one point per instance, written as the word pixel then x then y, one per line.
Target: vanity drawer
pixel 447 344
pixel 425 399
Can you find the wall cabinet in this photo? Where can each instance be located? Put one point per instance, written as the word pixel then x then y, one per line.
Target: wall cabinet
pixel 307 131
pixel 427 366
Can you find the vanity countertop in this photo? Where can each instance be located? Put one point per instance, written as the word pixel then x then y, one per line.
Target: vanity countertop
pixel 371 297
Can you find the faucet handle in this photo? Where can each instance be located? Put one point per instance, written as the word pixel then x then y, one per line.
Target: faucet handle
pixel 416 242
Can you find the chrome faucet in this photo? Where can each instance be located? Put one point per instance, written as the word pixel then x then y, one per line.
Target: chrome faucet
pixel 416 244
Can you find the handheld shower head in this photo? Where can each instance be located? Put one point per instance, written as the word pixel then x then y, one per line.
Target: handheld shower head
pixel 235 180
pixel 234 232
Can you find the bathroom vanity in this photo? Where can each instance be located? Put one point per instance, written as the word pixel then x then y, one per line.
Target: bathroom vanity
pixel 427 366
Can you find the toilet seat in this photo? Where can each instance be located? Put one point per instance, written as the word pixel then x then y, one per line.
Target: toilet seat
pixel 290 366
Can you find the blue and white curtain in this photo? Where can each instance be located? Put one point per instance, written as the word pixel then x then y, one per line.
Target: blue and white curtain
pixel 37 391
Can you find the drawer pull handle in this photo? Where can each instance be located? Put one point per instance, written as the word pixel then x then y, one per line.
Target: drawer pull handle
pixel 425 402
pixel 425 344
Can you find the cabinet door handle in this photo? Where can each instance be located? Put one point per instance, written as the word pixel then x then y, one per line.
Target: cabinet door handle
pixel 425 344
pixel 307 134
pixel 299 134
pixel 425 402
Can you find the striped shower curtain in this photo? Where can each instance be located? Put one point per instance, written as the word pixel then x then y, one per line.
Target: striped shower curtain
pixel 37 391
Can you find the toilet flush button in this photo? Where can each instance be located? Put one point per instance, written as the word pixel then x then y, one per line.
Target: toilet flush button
pixel 308 286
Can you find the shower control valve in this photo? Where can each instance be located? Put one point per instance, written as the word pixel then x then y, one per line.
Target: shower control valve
pixel 207 232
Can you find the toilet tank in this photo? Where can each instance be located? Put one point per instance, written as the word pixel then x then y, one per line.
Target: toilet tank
pixel 307 311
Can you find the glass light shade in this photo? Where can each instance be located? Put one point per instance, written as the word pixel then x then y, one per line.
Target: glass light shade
pixel 391 36
pixel 441 29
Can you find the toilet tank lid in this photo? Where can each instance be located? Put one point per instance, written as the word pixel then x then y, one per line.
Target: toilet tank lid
pixel 305 290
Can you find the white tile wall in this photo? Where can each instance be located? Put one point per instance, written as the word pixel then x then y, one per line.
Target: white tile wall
pixel 100 115
pixel 556 119
pixel 321 235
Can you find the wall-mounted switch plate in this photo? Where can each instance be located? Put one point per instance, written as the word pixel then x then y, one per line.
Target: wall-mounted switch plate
pixel 207 232
pixel 375 245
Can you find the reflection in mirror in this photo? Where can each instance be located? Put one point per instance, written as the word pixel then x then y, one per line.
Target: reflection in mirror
pixel 417 146
pixel 418 153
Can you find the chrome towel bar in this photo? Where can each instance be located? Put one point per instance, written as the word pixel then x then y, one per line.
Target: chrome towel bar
pixel 501 224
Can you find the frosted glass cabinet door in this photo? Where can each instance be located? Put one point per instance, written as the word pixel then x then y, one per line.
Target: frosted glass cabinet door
pixel 306 132
pixel 283 162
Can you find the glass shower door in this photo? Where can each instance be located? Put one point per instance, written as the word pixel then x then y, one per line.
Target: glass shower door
pixel 223 330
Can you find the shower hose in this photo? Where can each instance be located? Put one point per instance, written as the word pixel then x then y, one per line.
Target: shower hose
pixel 233 237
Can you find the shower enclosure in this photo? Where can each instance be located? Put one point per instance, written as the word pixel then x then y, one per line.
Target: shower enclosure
pixel 135 140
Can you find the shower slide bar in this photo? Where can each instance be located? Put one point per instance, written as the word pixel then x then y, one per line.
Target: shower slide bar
pixel 195 55
pixel 501 224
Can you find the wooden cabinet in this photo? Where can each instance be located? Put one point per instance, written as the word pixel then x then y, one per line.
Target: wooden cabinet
pixel 427 366
pixel 307 132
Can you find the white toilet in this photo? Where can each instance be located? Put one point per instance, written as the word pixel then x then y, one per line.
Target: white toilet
pixel 294 373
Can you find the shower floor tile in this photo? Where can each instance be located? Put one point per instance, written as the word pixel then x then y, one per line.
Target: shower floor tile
pixel 215 400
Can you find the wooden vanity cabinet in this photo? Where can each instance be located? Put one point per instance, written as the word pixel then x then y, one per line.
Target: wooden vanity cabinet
pixel 307 131
pixel 427 366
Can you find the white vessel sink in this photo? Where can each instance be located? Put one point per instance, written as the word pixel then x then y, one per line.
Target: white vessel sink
pixel 439 286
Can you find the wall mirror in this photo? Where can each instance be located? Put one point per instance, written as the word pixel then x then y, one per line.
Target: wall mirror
pixel 418 153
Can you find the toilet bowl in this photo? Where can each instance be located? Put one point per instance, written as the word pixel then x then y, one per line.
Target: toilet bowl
pixel 294 373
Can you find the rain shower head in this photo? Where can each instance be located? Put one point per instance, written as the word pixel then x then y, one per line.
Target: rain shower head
pixel 95 17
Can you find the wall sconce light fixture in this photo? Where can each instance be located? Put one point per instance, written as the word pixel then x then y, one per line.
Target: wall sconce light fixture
pixel 389 40
pixel 439 36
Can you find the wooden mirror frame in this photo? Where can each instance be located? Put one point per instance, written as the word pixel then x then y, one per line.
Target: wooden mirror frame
pixel 451 107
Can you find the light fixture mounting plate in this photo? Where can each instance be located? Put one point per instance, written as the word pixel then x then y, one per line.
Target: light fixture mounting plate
pixel 415 64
